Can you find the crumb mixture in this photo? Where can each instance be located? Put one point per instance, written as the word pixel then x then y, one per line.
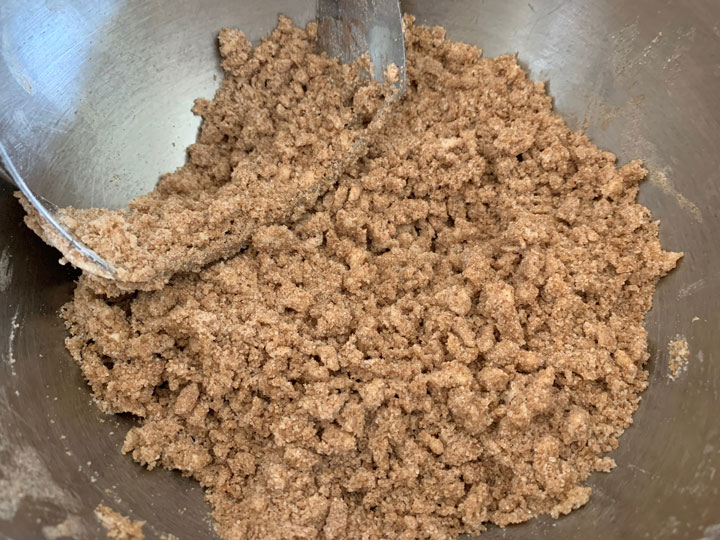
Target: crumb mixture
pixel 679 353
pixel 449 336
pixel 118 526
pixel 284 120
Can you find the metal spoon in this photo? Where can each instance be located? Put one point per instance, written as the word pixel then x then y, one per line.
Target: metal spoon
pixel 348 29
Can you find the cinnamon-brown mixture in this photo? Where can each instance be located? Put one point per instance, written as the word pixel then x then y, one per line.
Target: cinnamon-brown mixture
pixel 450 336
pixel 283 124
pixel 679 352
pixel 119 527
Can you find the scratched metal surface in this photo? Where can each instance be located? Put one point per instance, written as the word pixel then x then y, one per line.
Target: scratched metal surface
pixel 93 96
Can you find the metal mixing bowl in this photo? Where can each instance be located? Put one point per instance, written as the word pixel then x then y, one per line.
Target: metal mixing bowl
pixel 94 105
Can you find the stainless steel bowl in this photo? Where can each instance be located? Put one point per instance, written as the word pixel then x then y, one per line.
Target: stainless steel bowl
pixel 95 103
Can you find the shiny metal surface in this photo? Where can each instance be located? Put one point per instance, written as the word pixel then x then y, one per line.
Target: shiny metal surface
pixel 347 29
pixel 103 90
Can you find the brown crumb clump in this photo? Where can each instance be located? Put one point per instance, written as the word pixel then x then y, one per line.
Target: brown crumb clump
pixel 451 336
pixel 119 526
pixel 679 353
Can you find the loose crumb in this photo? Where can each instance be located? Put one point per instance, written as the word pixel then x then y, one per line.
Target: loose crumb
pixel 448 335
pixel 679 353
pixel 119 526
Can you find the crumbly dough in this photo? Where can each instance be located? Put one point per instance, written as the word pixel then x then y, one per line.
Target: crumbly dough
pixel 679 353
pixel 451 336
pixel 118 526
pixel 283 125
